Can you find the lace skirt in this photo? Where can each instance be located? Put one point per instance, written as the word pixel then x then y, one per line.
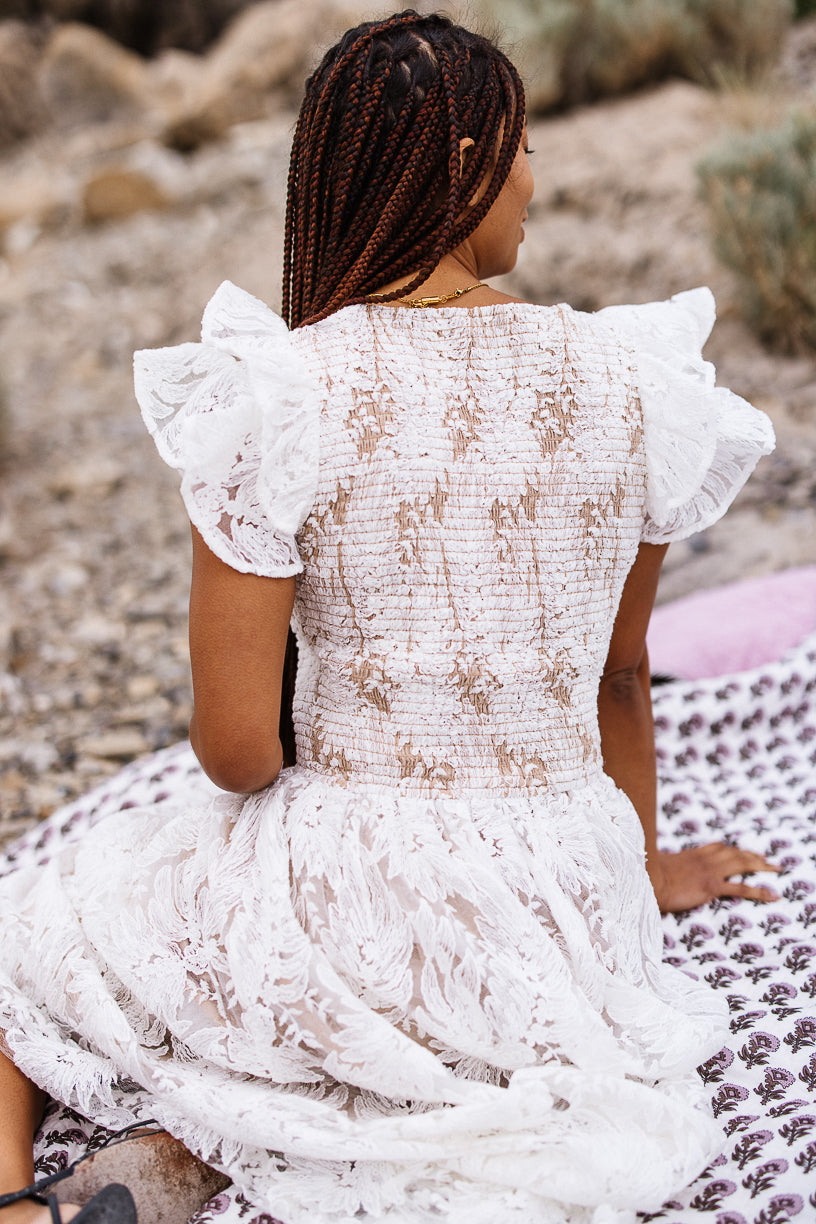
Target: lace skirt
pixel 361 1005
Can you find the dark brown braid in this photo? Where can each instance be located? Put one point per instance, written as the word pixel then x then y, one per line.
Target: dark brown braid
pixel 375 186
pixel 376 190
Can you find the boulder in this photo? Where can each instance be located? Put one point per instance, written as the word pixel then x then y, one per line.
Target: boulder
pixel 37 197
pixel 263 58
pixel 85 78
pixel 168 1183
pixel 21 107
pixel 260 52
pixel 174 80
pixel 118 192
pixel 146 26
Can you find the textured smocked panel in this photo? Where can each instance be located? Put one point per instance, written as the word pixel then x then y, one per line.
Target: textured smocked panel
pixel 456 447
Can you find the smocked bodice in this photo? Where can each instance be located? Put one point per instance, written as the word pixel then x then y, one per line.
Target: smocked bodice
pixel 480 500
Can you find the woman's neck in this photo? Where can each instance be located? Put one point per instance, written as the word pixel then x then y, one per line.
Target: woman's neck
pixel 454 272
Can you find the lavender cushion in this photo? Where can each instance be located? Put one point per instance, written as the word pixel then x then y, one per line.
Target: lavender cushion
pixel 735 627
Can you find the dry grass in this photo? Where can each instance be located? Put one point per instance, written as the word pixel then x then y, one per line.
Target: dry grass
pixel 740 38
pixel 760 189
pixel 573 51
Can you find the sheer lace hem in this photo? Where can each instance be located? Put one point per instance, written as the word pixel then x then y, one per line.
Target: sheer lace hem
pixel 237 415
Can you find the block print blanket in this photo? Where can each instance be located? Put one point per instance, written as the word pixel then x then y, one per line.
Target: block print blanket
pixel 737 761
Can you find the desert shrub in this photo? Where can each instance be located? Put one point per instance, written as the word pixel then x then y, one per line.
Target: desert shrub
pixel 732 37
pixel 760 189
pixel 572 51
pixel 621 46
pixel 537 37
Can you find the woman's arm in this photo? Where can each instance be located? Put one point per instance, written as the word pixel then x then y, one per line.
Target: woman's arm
pixel 625 702
pixel 238 629
pixel 692 877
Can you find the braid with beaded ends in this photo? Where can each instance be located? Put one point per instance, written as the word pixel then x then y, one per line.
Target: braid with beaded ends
pixel 376 186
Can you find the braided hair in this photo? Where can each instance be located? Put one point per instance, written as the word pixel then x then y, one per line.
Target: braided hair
pixel 376 186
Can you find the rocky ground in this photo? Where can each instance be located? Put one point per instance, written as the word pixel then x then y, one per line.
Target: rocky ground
pixel 112 241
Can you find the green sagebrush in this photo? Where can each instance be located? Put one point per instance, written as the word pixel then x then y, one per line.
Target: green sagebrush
pixel 760 190
pixel 572 51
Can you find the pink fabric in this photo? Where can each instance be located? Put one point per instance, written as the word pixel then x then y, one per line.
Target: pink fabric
pixel 735 627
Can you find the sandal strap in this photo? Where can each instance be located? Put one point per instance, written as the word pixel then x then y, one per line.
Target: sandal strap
pixel 53 1204
pixel 27 1192
pixel 50 1200
pixel 120 1136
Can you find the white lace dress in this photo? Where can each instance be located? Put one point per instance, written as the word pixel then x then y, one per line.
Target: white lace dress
pixel 418 978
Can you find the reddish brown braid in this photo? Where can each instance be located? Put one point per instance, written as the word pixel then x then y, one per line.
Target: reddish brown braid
pixel 375 185
pixel 376 189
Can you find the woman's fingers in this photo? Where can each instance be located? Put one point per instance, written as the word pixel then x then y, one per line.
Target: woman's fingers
pixel 726 861
pixel 732 860
pixel 754 892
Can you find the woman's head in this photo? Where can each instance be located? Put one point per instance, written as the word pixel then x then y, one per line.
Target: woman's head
pixel 383 170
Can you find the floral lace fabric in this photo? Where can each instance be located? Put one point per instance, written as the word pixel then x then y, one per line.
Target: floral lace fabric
pixel 238 416
pixel 419 978
pixel 701 441
pixel 735 761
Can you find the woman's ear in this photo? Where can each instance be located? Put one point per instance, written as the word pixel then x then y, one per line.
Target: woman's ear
pixel 466 147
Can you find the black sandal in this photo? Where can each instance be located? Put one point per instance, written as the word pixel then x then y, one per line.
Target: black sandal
pixel 112 1205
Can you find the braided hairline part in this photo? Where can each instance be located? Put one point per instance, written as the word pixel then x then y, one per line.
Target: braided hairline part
pixel 376 189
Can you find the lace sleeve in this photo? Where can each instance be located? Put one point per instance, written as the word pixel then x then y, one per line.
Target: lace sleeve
pixel 238 416
pixel 702 441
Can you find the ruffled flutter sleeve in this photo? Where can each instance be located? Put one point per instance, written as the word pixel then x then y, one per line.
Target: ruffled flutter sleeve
pixel 701 441
pixel 238 416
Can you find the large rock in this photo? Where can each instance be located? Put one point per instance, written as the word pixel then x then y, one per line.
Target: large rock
pixel 168 1183
pixel 38 197
pixel 85 78
pixel 21 108
pixel 118 192
pixel 263 58
pixel 147 26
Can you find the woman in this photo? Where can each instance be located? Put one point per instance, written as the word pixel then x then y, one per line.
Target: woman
pixel 419 974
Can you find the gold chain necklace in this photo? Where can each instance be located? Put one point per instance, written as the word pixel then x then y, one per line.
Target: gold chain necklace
pixel 424 302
